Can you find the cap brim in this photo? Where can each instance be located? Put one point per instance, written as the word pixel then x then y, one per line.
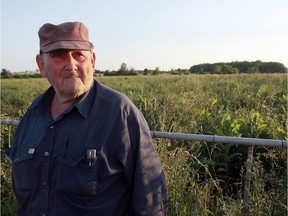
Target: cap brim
pixel 71 45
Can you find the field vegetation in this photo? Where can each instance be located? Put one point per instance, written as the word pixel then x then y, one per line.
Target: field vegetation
pixel 203 178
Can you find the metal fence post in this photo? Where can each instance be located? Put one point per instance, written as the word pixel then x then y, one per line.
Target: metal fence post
pixel 247 181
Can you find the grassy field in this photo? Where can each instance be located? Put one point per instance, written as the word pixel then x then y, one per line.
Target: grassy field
pixel 203 178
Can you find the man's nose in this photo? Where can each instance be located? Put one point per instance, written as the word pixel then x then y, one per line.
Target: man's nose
pixel 70 62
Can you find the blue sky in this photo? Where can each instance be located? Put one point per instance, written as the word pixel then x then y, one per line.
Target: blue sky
pixel 168 34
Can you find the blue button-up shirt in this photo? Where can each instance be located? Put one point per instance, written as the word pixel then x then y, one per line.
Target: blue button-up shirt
pixel 97 158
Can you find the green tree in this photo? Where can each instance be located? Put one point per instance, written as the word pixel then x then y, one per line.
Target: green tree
pixel 217 69
pixel 146 71
pixel 132 71
pixel 228 69
pixel 253 70
pixel 6 73
pixel 123 68
pixel 156 71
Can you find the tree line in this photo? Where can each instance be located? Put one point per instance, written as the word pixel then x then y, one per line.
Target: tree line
pixel 215 68
pixel 239 67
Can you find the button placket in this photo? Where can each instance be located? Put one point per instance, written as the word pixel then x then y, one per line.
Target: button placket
pixel 49 137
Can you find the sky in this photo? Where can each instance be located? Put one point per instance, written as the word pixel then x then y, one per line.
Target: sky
pixel 168 34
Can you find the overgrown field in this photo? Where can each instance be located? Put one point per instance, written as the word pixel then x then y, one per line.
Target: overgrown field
pixel 203 178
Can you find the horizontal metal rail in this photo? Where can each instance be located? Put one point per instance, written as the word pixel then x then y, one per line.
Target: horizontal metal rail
pixel 9 122
pixel 221 139
pixel 201 137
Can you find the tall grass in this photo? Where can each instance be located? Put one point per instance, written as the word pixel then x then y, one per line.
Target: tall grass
pixel 203 178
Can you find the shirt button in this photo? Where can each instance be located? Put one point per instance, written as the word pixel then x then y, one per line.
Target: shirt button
pixel 51 126
pixel 43 214
pixel 44 183
pixel 46 154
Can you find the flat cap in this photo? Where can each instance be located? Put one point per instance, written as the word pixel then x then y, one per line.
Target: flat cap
pixel 68 35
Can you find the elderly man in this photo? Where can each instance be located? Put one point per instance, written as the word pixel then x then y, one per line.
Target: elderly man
pixel 83 149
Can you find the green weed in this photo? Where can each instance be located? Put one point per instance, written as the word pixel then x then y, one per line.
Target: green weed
pixel 203 178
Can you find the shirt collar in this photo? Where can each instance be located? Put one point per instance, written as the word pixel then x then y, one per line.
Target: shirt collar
pixel 83 106
pixel 85 103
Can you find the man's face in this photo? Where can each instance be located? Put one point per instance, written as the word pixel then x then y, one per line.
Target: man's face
pixel 70 72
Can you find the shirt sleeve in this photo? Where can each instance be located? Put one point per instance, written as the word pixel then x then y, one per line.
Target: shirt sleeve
pixel 143 169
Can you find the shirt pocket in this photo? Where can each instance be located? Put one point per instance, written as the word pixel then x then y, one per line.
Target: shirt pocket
pixel 75 173
pixel 22 167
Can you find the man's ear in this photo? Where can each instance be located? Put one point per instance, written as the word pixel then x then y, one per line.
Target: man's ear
pixel 93 59
pixel 40 63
